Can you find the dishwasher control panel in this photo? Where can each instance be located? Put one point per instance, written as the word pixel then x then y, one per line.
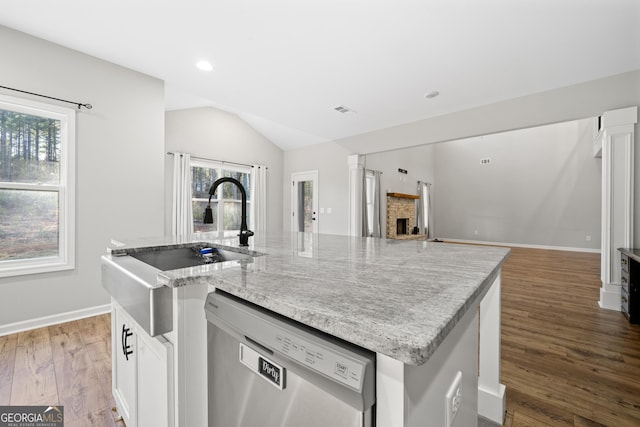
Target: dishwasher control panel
pixel 323 354
pixel 319 358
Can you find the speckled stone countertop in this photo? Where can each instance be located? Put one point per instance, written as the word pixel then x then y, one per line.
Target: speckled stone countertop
pixel 398 298
pixel 633 253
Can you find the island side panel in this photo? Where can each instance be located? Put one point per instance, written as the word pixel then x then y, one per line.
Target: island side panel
pixel 414 396
pixel 189 337
pixel 491 394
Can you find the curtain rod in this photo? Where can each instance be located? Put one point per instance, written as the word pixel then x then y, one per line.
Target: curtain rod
pixel 79 104
pixel 214 160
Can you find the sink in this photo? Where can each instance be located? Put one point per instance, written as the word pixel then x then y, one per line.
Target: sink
pixel 131 277
pixel 174 258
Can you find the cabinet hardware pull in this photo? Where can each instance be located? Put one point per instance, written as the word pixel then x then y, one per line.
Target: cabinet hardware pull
pixel 126 348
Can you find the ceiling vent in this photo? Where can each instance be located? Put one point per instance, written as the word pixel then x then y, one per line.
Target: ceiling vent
pixel 343 109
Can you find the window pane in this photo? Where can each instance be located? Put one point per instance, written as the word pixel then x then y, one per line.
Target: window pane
pixel 198 207
pixel 231 191
pixel 233 215
pixel 29 148
pixel 28 224
pixel 201 180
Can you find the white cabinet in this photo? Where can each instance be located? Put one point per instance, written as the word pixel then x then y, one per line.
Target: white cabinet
pixel 142 377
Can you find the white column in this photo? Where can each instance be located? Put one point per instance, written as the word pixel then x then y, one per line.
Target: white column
pixel 617 139
pixel 491 394
pixel 356 169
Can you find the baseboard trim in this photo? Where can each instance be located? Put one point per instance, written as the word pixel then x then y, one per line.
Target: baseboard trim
pixel 492 406
pixel 610 297
pixel 54 319
pixel 521 245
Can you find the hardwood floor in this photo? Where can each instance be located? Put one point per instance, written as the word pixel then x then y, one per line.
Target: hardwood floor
pixel 67 364
pixel 565 362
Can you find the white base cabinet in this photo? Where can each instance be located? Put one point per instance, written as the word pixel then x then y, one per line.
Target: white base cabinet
pixel 143 373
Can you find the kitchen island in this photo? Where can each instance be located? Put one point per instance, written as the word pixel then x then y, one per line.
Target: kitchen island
pixel 414 303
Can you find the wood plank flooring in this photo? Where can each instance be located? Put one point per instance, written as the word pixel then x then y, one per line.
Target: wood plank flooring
pixel 565 362
pixel 67 364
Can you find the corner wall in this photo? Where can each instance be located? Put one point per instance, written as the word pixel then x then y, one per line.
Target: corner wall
pixel 214 134
pixel 541 187
pixel 122 135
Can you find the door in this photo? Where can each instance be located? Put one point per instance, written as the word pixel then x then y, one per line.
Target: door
pixel 304 201
pixel 124 354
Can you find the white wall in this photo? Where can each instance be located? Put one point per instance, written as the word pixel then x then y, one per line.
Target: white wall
pixel 574 102
pixel 330 160
pixel 417 161
pixel 542 187
pixel 122 135
pixel 211 133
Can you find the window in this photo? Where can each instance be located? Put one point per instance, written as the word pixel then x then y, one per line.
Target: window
pixel 229 206
pixel 37 182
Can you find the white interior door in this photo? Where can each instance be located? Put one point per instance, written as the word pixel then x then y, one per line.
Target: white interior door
pixel 304 201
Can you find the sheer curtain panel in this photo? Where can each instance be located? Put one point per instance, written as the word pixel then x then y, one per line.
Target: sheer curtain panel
pixel 371 204
pixel 259 199
pixel 182 211
pixel 424 208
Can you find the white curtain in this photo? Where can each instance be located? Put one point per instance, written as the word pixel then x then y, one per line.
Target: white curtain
pixel 182 211
pixel 258 197
pixel 424 209
pixel 371 203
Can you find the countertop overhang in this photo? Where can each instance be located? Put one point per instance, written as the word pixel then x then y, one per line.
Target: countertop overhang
pixel 398 298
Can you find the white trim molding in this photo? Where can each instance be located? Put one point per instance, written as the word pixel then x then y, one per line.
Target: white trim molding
pixel 54 319
pixel 521 245
pixel 356 171
pixel 617 139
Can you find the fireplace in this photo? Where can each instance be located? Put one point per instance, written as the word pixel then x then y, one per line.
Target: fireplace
pixel 401 216
pixel 402 225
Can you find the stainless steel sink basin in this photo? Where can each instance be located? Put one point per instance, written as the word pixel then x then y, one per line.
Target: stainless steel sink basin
pixel 131 277
pixel 174 258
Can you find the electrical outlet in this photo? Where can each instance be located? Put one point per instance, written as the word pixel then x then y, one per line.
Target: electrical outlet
pixel 453 400
pixel 588 238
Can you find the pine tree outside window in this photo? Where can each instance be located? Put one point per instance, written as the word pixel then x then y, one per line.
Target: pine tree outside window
pixel 37 187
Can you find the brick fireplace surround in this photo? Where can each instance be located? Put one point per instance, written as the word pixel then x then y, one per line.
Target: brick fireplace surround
pixel 401 206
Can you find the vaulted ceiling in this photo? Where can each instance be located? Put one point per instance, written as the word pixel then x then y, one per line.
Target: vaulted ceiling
pixel 285 65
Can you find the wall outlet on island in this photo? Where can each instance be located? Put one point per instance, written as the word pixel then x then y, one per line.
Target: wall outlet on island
pixel 588 238
pixel 453 400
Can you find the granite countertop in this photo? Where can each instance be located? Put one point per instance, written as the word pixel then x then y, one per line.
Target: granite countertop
pixel 633 253
pixel 398 298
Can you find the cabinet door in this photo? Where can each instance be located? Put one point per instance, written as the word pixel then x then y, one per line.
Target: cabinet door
pixel 155 382
pixel 124 354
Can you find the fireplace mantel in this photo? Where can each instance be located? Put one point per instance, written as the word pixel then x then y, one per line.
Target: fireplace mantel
pixel 403 196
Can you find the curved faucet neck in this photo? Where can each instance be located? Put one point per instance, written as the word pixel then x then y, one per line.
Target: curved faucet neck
pixel 244 232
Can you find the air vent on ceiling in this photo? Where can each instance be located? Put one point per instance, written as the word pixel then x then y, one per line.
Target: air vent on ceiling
pixel 343 109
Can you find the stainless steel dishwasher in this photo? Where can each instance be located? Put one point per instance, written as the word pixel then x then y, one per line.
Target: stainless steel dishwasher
pixel 268 371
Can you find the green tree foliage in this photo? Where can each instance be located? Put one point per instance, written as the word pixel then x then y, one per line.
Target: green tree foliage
pixel 29 148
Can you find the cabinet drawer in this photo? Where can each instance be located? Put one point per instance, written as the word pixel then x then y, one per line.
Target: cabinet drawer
pixel 624 282
pixel 624 263
pixel 624 301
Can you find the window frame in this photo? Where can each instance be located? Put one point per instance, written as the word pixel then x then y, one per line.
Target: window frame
pixel 221 167
pixel 65 188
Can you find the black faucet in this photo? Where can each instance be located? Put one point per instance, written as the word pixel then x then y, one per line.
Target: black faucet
pixel 208 214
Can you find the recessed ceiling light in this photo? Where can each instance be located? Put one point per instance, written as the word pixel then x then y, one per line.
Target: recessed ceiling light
pixel 431 94
pixel 204 65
